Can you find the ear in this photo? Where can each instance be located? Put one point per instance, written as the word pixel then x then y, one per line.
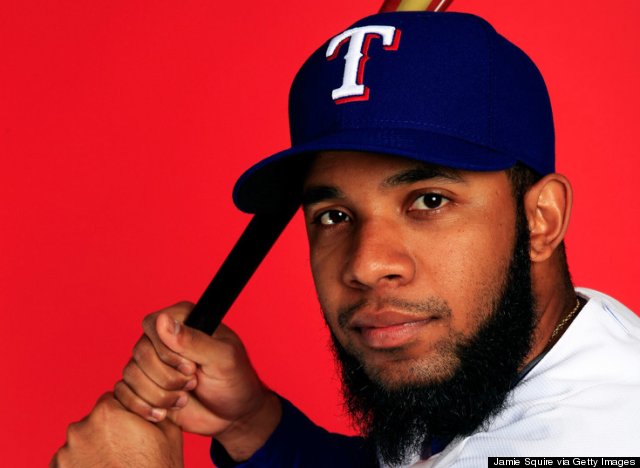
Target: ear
pixel 548 208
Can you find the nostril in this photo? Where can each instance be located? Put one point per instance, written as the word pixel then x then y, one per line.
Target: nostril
pixel 392 277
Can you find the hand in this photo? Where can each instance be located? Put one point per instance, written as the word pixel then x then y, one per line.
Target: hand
pixel 111 436
pixel 204 384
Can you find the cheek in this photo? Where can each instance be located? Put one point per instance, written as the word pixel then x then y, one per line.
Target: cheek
pixel 490 238
pixel 327 255
pixel 477 257
pixel 325 269
pixel 467 269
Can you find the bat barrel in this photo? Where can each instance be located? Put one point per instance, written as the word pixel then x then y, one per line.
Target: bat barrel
pixel 415 5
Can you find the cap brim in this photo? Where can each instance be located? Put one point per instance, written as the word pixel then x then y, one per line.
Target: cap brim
pixel 278 179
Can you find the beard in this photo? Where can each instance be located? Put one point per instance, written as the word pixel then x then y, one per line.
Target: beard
pixel 404 419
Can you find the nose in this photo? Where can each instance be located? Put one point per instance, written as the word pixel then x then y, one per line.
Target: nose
pixel 378 257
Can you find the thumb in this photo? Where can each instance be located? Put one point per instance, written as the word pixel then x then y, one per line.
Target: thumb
pixel 190 343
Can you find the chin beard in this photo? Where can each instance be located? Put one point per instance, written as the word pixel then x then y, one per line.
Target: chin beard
pixel 403 420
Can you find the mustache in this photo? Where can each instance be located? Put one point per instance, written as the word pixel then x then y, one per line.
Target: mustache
pixel 433 306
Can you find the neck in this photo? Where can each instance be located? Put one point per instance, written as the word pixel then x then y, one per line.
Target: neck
pixel 555 299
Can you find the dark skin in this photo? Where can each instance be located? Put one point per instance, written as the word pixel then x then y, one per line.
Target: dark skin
pixel 419 234
pixel 399 237
pixel 113 436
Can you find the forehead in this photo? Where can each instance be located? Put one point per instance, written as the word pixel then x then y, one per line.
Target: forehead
pixel 334 167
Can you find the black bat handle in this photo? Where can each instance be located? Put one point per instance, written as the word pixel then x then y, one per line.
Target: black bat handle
pixel 255 242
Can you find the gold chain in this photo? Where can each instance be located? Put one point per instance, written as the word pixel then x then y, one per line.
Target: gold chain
pixel 565 320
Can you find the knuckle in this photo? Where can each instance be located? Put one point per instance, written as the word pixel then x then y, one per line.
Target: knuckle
pixel 103 411
pixel 72 432
pixel 128 399
pixel 173 381
pixel 168 357
pixel 129 372
pixel 138 355
pixel 149 323
pixel 165 356
pixel 121 392
pixel 146 357
pixel 141 348
pixel 165 398
pixel 75 432
pixel 60 458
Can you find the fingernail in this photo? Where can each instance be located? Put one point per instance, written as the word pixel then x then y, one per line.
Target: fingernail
pixel 190 385
pixel 157 414
pixel 181 402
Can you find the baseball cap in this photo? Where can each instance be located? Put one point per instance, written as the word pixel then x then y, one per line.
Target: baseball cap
pixel 442 88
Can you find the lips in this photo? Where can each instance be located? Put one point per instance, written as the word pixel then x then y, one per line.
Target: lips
pixel 388 328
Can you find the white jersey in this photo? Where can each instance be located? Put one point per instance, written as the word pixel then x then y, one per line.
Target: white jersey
pixel 581 400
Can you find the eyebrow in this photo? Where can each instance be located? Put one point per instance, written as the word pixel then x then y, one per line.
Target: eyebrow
pixel 320 193
pixel 420 173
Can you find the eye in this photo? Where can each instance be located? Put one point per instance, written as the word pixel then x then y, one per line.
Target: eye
pixel 332 217
pixel 429 202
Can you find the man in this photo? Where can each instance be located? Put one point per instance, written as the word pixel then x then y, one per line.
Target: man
pixel 423 157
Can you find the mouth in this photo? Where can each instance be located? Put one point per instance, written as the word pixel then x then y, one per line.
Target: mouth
pixel 389 329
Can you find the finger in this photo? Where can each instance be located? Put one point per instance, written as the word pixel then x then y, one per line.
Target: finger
pixel 197 419
pixel 163 375
pixel 137 405
pixel 220 353
pixel 179 312
pixel 59 459
pixel 149 391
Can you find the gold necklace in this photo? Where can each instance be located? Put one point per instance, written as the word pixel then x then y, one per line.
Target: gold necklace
pixel 565 320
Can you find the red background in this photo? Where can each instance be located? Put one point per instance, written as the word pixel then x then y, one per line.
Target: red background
pixel 123 126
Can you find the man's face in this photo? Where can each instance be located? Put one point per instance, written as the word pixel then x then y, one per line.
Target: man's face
pixel 408 259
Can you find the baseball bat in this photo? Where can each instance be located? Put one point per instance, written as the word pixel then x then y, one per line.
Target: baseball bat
pixel 415 5
pixel 263 230
pixel 253 245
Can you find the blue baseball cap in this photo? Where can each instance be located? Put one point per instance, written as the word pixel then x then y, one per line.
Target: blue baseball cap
pixel 442 88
